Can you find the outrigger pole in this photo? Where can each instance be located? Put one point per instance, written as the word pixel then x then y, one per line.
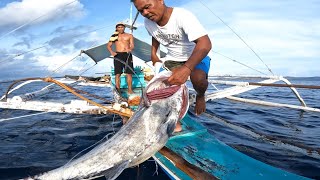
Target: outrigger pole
pixel 285 85
pixel 126 112
pixel 265 84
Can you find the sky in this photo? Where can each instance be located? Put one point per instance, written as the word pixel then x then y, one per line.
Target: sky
pixel 247 36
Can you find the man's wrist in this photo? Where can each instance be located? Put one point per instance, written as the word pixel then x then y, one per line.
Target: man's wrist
pixel 156 61
pixel 187 67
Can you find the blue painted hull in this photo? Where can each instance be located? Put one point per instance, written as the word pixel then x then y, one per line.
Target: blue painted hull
pixel 203 150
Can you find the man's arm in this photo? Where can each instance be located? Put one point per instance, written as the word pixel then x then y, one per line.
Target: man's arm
pixel 109 45
pixel 131 42
pixel 154 49
pixel 180 75
pixel 201 50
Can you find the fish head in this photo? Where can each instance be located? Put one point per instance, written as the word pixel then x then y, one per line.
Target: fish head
pixel 176 96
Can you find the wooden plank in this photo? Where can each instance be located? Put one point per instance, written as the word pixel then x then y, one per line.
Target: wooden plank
pixel 191 170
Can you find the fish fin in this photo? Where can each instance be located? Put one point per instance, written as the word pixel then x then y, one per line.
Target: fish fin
pixel 116 170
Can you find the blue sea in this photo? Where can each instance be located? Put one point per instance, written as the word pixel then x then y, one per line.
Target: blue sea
pixel 34 142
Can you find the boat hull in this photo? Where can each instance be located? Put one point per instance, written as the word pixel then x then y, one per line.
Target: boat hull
pixel 200 148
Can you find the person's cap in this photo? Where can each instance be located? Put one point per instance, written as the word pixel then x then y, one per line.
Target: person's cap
pixel 120 24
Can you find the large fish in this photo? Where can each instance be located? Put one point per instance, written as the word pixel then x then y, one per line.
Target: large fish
pixel 147 132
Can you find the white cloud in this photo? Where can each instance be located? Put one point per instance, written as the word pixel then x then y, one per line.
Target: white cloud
pixel 19 13
pixel 280 36
pixel 54 62
pixel 285 34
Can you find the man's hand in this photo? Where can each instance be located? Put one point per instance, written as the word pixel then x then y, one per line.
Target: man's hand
pixel 113 54
pixel 154 62
pixel 128 50
pixel 179 75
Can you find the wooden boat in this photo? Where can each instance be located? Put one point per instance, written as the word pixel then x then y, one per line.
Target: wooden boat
pixel 191 154
pixel 194 153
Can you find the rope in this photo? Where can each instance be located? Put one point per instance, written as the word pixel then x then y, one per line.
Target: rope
pixel 73 91
pixel 238 37
pixel 92 95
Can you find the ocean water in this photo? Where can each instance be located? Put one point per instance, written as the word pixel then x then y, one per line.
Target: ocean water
pixel 36 143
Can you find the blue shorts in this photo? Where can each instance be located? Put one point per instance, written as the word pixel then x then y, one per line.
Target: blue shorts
pixel 204 65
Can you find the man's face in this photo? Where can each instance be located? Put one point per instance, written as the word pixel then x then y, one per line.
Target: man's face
pixel 120 28
pixel 151 9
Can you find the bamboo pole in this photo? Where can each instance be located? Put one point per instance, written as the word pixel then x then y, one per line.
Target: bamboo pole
pixel 237 83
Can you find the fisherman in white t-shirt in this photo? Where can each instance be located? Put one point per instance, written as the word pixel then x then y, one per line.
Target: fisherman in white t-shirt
pixel 187 42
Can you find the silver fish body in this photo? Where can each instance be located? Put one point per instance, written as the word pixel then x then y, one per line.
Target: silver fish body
pixel 147 132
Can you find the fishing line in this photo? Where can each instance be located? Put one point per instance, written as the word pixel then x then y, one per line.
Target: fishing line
pixel 2 120
pixel 81 57
pixel 81 51
pixel 81 153
pixel 156 170
pixel 80 73
pixel 8 81
pixel 46 43
pixel 93 145
pixel 238 37
pixel 56 70
pixel 1 37
pixel 17 55
pixel 113 118
pixel 87 69
pixel 240 63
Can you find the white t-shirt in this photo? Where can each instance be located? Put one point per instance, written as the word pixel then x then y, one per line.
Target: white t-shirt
pixel 177 35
